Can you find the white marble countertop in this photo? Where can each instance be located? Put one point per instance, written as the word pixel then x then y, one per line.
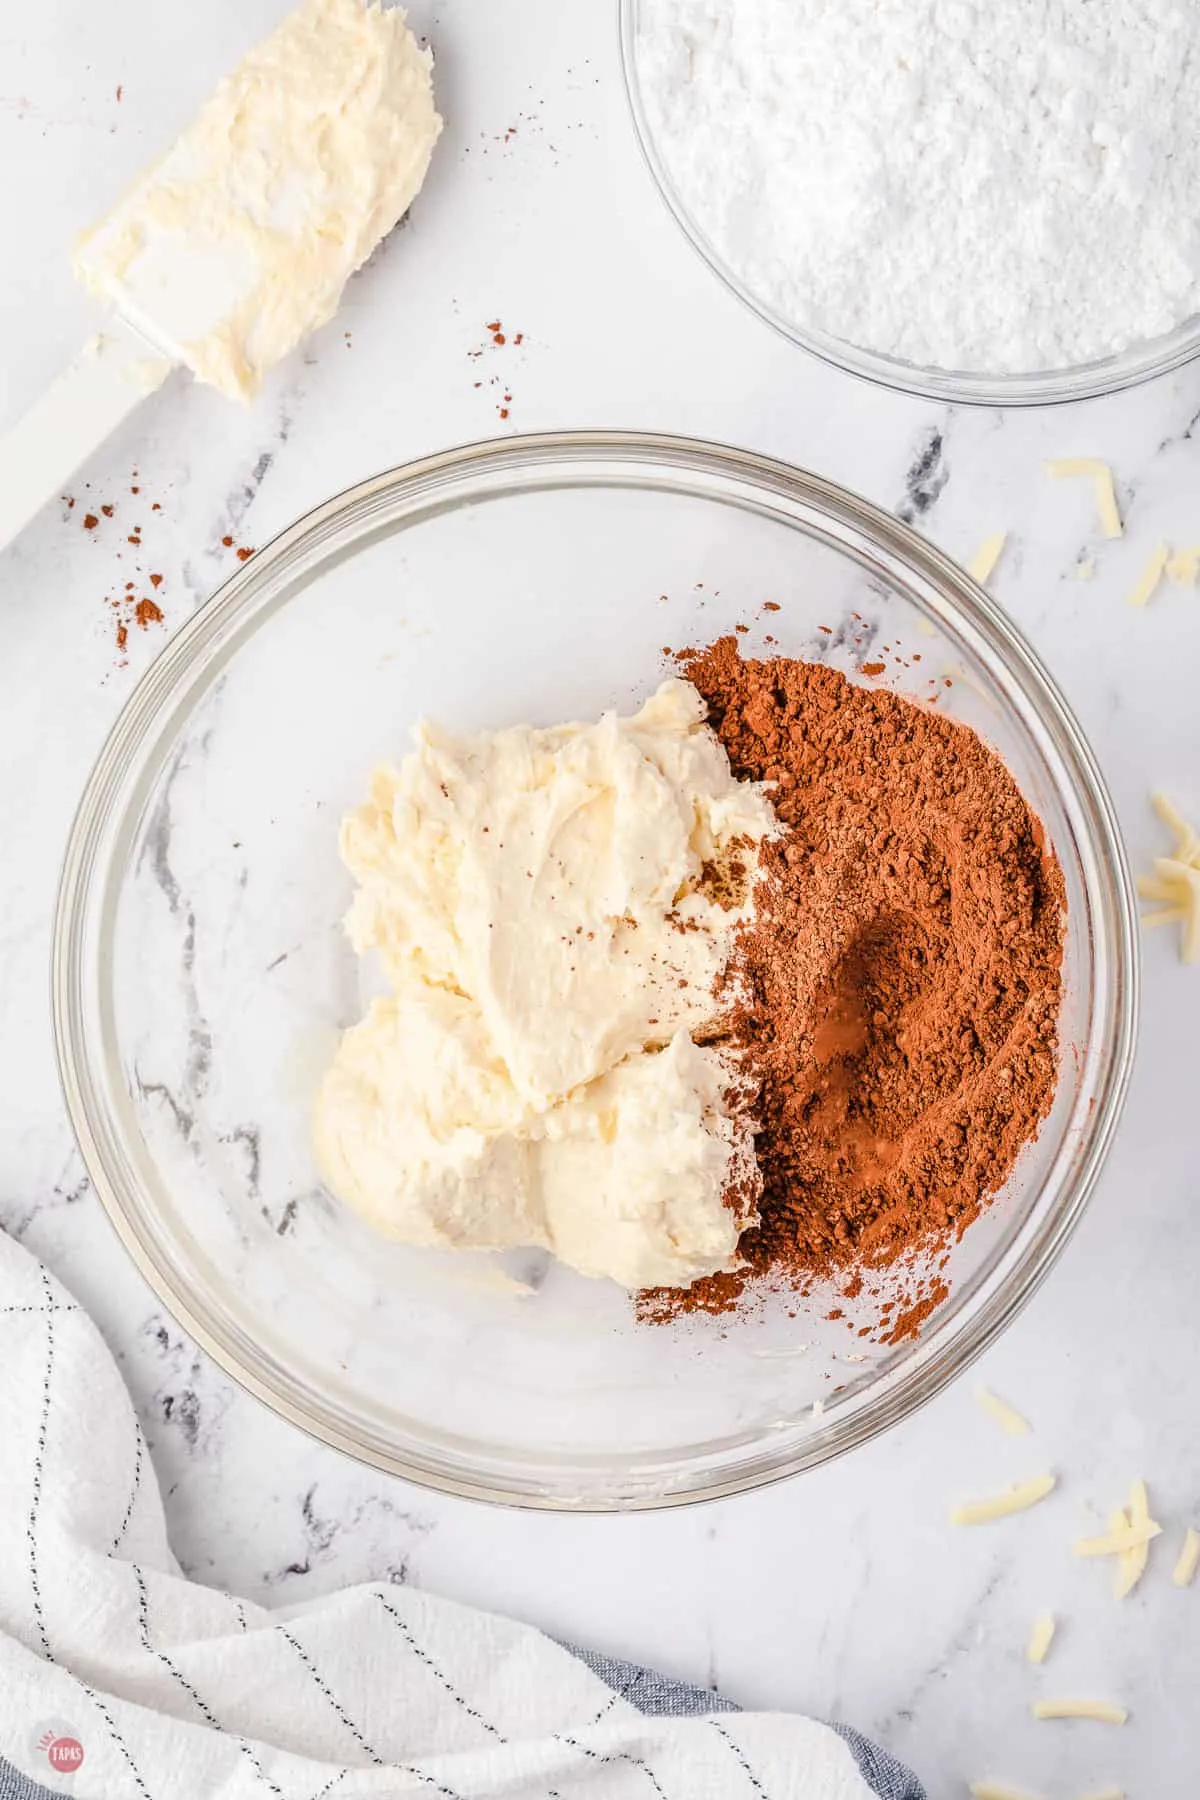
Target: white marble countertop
pixel 842 1593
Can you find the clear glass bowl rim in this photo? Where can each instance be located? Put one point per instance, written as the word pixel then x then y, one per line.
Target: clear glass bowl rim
pixel 1046 387
pixel 86 900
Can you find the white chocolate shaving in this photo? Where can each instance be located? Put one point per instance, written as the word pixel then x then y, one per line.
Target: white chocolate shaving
pixel 1175 883
pixel 1006 1416
pixel 1041 1638
pixel 987 556
pixel 1184 566
pixel 1115 1543
pixel 1102 1712
pixel 1184 1572
pixel 1100 475
pixel 1146 585
pixel 997 1790
pixel 1000 1506
pixel 1131 1564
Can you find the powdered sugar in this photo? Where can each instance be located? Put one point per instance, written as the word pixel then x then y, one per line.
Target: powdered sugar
pixel 1001 186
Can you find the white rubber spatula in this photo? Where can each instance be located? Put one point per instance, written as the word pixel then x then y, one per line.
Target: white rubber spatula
pixel 237 243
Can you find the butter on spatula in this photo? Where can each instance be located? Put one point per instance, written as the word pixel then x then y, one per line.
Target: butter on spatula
pixel 237 243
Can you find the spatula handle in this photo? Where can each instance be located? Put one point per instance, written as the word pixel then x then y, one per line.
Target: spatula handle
pixel 106 380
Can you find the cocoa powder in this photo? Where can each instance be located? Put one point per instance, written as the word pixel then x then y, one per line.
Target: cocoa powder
pixel 895 1002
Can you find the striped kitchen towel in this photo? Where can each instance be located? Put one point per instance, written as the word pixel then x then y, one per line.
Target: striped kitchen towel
pixel 121 1680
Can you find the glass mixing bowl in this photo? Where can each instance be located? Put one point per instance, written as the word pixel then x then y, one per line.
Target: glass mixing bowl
pixel 1083 381
pixel 201 977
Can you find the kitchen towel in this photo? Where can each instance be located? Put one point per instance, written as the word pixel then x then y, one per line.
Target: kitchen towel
pixel 122 1680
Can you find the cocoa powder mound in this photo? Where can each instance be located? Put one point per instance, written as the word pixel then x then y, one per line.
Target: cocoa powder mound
pixel 896 1000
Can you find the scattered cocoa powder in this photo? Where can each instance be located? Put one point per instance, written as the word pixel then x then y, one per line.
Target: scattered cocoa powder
pixel 498 339
pixel 897 995
pixel 123 609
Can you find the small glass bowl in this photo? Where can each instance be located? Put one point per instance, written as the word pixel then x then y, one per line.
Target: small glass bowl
pixel 1045 387
pixel 201 975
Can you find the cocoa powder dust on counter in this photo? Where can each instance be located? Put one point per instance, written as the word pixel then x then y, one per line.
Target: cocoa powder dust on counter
pixel 124 609
pixel 896 999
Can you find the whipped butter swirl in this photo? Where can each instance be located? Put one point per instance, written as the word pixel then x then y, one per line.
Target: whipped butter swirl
pixel 553 909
